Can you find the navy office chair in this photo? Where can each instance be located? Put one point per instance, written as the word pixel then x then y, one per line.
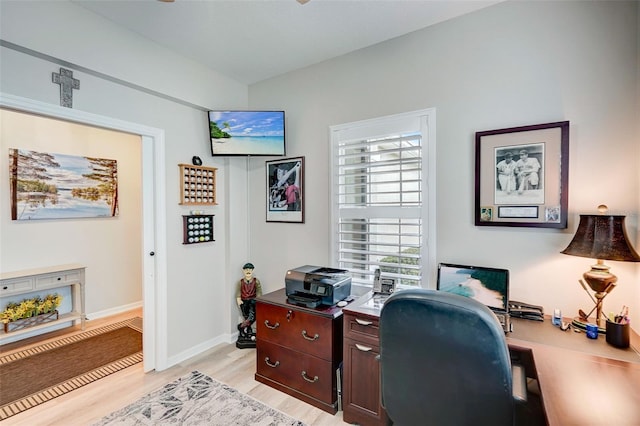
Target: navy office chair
pixel 444 361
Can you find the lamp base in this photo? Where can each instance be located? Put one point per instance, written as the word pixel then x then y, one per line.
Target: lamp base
pixel 581 324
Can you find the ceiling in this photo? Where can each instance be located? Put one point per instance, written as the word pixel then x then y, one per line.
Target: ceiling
pixel 253 40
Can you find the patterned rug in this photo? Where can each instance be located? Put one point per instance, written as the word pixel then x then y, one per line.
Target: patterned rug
pixel 39 374
pixel 197 399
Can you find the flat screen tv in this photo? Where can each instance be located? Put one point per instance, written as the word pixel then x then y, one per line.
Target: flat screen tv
pixel 247 133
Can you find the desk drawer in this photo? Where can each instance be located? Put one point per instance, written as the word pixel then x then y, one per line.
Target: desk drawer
pixel 297 330
pixel 361 328
pixel 58 279
pixel 15 286
pixel 310 375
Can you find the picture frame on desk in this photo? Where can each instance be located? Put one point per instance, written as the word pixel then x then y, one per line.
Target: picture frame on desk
pixel 522 175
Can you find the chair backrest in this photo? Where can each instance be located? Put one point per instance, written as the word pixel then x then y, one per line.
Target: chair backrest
pixel 444 361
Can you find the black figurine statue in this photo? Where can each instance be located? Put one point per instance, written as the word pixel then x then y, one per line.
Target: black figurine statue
pixel 247 290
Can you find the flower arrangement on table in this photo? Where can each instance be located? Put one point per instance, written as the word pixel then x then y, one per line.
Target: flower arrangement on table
pixel 30 308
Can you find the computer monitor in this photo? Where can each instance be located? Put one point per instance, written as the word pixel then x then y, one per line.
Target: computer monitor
pixel 489 286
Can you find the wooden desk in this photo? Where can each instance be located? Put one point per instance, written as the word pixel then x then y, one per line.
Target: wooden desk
pixel 582 381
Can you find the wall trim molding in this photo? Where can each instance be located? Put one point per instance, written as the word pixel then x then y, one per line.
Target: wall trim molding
pixel 98 74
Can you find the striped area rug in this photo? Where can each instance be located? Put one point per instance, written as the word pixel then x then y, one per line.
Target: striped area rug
pixel 41 373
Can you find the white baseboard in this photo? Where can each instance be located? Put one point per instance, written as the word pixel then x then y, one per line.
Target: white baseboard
pixel 203 347
pixel 114 311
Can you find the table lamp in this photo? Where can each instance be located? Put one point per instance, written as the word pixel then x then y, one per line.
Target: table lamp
pixel 601 237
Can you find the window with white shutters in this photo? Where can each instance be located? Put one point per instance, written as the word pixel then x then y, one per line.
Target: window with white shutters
pixel 381 198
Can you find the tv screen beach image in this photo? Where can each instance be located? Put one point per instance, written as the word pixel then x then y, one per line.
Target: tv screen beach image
pixel 247 132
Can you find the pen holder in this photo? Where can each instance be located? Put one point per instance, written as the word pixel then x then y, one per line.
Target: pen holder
pixel 617 334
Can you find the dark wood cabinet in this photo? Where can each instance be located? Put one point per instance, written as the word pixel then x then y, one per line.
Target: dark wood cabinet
pixel 361 374
pixel 299 350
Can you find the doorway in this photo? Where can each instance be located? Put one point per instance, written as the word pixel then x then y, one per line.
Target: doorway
pixel 153 213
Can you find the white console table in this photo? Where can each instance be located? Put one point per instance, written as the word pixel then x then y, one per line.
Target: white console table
pixel 41 279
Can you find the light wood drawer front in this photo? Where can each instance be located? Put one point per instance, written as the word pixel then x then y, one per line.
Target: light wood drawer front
pixel 361 328
pixel 61 279
pixel 305 373
pixel 18 285
pixel 300 331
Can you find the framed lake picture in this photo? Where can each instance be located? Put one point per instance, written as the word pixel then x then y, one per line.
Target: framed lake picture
pixel 285 190
pixel 58 186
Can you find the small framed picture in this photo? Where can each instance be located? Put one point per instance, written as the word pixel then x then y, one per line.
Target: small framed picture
pixel 486 214
pixel 285 190
pixel 522 173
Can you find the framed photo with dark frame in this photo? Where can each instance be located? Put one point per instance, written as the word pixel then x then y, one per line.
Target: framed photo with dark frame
pixel 522 174
pixel 285 190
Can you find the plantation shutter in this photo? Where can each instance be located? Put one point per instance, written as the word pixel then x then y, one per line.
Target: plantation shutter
pixel 378 193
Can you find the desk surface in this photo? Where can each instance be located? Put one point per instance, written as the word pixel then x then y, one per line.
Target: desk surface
pixel 544 332
pixel 582 381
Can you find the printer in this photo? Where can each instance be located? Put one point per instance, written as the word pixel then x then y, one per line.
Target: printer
pixel 312 286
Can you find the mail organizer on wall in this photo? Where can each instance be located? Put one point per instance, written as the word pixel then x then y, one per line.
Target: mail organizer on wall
pixel 197 185
pixel 197 228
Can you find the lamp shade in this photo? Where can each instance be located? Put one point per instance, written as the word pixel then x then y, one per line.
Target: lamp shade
pixel 602 237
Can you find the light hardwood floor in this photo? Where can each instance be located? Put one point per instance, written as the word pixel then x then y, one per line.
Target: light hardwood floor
pixel 225 363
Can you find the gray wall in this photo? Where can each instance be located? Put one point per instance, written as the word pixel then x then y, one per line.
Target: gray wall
pixel 125 77
pixel 515 63
pixel 512 64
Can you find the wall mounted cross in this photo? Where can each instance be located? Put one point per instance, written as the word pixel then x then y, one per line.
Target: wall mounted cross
pixel 67 84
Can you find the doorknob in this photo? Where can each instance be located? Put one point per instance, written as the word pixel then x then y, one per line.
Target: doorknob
pixel 152 253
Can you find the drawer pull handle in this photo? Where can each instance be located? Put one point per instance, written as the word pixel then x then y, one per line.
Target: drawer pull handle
pixel 315 337
pixel 363 348
pixel 272 327
pixel 304 376
pixel 363 322
pixel 272 365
